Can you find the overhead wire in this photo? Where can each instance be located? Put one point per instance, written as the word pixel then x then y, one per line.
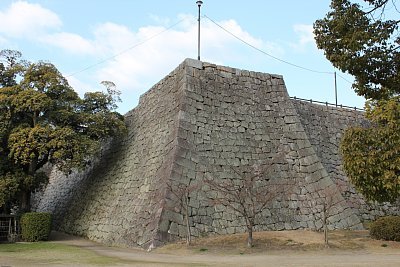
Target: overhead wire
pixel 263 52
pixel 219 26
pixel 126 50
pixel 343 78
pixel 274 57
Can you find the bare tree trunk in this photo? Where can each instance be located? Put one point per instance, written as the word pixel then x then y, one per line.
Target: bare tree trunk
pixel 181 194
pixel 324 220
pixel 250 236
pixel 326 236
pixel 188 232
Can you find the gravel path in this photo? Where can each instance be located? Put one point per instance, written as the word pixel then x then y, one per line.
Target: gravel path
pixel 337 258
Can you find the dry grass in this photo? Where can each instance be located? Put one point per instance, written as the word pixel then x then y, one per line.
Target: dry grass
pixel 278 241
pixel 284 248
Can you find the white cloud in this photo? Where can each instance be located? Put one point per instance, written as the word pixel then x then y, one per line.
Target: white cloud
pixel 110 37
pixel 81 87
pixel 69 42
pixel 3 41
pixel 160 20
pixel 151 52
pixel 138 59
pixel 26 20
pixel 133 59
pixel 232 26
pixel 305 36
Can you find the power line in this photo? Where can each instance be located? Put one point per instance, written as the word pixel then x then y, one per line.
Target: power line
pixel 278 59
pixel 218 25
pixel 127 49
pixel 221 27
pixel 344 79
pixel 265 53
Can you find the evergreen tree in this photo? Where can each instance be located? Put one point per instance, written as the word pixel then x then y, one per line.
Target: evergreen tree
pixel 43 120
pixel 362 38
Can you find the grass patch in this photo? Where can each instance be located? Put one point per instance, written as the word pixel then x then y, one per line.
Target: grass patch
pixel 52 253
pixel 34 246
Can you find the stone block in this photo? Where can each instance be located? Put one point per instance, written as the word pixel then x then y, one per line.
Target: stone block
pixel 194 63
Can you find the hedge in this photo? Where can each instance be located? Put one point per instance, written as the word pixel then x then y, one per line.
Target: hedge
pixel 35 226
pixel 386 228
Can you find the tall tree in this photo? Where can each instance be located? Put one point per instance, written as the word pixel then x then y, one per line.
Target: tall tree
pixel 363 39
pixel 43 120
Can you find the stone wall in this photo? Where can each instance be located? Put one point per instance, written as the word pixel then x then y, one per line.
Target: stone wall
pixel 325 126
pixel 238 118
pixel 203 120
pixel 119 200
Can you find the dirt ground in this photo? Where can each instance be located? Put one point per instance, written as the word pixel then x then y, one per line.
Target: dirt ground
pixel 284 248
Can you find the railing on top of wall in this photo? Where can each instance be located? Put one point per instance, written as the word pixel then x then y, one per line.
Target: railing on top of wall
pixel 326 103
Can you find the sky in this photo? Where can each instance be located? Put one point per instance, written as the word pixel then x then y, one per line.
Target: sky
pixel 136 43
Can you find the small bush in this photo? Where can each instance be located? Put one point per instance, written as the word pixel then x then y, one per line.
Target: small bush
pixel 386 228
pixel 35 226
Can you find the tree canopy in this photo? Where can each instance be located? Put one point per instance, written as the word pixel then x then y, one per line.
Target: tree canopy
pixel 43 120
pixel 363 39
pixel 365 42
pixel 371 155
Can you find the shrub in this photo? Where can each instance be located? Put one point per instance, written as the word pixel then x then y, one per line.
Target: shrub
pixel 386 228
pixel 35 226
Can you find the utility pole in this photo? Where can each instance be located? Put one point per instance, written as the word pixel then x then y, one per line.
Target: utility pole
pixel 335 88
pixel 199 3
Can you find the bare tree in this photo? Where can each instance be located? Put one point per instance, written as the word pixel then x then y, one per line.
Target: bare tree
pixel 181 194
pixel 326 203
pixel 248 194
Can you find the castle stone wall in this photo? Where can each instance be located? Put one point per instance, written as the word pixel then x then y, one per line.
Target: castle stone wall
pixel 324 126
pixel 200 121
pixel 119 200
pixel 239 118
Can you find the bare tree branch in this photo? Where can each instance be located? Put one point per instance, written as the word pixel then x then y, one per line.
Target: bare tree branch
pixel 377 6
pixel 181 192
pixel 248 194
pixel 329 201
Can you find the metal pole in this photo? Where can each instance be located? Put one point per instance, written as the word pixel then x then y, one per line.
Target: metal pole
pixel 335 89
pixel 199 3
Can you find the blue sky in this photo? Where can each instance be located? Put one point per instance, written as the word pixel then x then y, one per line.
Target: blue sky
pixel 127 41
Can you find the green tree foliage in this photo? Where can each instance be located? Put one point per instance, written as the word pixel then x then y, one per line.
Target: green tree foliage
pixel 371 155
pixel 358 40
pixel 363 39
pixel 43 120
